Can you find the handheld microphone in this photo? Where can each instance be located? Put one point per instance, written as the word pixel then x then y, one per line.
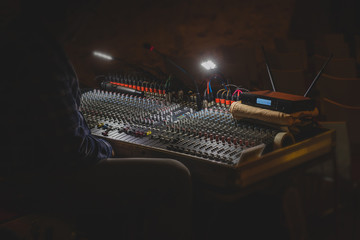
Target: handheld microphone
pixel 198 99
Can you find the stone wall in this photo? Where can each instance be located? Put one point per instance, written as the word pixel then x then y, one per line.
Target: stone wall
pixel 230 32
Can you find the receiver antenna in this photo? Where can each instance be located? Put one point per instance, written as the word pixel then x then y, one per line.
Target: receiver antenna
pixel 318 75
pixel 268 69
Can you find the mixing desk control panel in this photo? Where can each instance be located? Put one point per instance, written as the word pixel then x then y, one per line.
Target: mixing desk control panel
pixel 210 134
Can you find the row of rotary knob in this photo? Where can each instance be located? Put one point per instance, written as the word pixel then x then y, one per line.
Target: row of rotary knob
pixel 114 107
pixel 210 133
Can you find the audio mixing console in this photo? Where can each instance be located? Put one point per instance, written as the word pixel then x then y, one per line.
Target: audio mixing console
pixel 209 141
pixel 145 116
pixel 211 134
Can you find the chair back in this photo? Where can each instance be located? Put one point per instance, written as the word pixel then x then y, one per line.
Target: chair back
pixel 335 111
pixel 337 67
pixel 342 90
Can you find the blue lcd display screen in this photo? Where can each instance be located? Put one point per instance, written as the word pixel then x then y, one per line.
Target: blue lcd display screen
pixel 263 101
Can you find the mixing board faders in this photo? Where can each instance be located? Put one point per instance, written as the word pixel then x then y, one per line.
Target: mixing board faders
pixel 142 115
pixel 210 134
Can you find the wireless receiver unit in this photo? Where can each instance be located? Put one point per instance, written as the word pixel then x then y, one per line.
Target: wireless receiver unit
pixel 282 102
pixel 278 101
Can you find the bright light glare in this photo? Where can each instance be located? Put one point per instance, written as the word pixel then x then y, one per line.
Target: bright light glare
pixel 208 65
pixel 98 54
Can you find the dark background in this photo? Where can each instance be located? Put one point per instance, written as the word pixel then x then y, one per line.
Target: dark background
pixel 230 32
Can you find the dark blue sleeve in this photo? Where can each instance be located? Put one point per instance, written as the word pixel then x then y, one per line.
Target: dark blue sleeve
pixel 59 134
pixel 74 136
pixel 91 148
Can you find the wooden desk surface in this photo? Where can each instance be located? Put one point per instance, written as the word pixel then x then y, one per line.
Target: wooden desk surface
pixel 245 173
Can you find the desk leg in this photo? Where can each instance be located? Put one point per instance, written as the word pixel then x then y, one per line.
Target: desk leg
pixel 294 214
pixel 336 195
